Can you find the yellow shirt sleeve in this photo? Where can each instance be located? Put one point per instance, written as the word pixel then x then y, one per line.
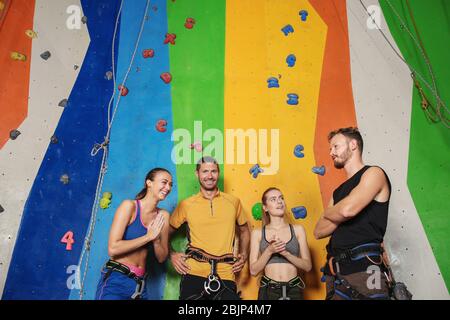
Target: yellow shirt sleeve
pixel 178 216
pixel 240 215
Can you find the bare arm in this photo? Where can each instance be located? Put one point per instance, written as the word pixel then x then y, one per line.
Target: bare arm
pixel 161 244
pixel 244 243
pixel 302 262
pixel 117 246
pixel 178 259
pixel 371 184
pixel 325 227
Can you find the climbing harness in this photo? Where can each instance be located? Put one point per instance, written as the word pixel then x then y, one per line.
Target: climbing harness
pixel 266 282
pixel 112 265
pixel 213 283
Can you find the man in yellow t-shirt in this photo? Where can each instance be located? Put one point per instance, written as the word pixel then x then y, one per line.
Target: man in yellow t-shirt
pixel 208 267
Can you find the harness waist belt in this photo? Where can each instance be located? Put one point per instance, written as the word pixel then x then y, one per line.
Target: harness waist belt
pixel 202 256
pixel 119 267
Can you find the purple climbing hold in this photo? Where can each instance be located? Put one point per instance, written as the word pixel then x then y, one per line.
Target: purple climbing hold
pixel 299 212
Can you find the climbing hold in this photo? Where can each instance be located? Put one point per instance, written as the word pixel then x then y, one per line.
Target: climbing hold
pixel 84 19
pixel 255 170
pixel 63 103
pixel 323 278
pixel 303 14
pixel 13 134
pixel 319 170
pixel 105 201
pixel 109 75
pixel 54 139
pixel 31 34
pixel 170 38
pixel 75 67
pixel 189 24
pixel 197 146
pixel 123 90
pixel 2 5
pixel 18 56
pixel 272 82
pixel 287 29
pixel 166 77
pixel 292 99
pixel 64 179
pixel 46 55
pixel 161 125
pixel 257 211
pixel 299 212
pixel 68 240
pixel 1 209
pixel 290 60
pixel 298 151
pixel 148 53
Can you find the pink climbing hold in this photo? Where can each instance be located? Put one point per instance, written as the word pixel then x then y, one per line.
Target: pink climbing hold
pixel 148 53
pixel 170 38
pixel 197 146
pixel 161 126
pixel 190 22
pixel 123 90
pixel 166 77
pixel 68 240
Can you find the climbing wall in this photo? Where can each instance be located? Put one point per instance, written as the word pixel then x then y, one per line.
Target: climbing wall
pixel 282 72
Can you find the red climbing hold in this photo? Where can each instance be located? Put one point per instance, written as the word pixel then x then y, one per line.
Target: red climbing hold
pixel 68 240
pixel 123 90
pixel 161 126
pixel 170 38
pixel 148 53
pixel 189 23
pixel 166 77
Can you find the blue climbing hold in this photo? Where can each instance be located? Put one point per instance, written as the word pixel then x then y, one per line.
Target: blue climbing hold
pixel 292 99
pixel 298 151
pixel 323 278
pixel 319 170
pixel 290 60
pixel 299 212
pixel 255 170
pixel 287 29
pixel 303 14
pixel 272 82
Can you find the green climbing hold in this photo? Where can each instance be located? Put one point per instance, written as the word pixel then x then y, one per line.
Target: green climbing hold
pixel 257 211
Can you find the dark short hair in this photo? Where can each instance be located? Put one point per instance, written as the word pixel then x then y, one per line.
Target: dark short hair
pixel 351 133
pixel 206 159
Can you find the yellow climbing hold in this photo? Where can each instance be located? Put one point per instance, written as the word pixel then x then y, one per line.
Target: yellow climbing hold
pixel 31 34
pixel 105 201
pixel 2 5
pixel 18 56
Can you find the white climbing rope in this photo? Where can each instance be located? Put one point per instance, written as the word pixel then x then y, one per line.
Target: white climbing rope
pixel 413 71
pixel 104 145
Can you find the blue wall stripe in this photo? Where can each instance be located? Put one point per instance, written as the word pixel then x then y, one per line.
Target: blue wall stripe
pixel 39 262
pixel 136 146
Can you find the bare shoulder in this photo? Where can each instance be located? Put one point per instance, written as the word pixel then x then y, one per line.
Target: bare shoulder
pixel 374 173
pixel 128 206
pixel 299 230
pixel 165 213
pixel 257 233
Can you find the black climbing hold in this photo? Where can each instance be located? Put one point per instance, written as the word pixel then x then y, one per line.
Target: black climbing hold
pixel 64 179
pixel 63 103
pixel 1 209
pixel 75 67
pixel 45 55
pixel 13 134
pixel 84 19
pixel 109 75
pixel 54 139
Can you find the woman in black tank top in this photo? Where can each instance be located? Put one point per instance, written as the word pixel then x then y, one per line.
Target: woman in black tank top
pixel 280 250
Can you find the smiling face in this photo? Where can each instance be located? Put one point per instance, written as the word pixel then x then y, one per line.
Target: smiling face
pixel 274 203
pixel 208 176
pixel 341 150
pixel 161 185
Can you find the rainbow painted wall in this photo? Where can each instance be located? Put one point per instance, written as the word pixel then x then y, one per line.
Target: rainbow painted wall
pixel 346 73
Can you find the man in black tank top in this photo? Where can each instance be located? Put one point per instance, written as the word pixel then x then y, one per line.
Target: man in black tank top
pixel 356 220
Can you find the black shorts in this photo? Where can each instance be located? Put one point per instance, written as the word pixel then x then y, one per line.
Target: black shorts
pixel 192 288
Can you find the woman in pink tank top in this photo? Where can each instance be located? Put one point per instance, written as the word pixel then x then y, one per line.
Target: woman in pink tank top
pixel 136 224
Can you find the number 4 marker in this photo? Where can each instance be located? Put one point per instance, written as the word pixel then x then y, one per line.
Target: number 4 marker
pixel 68 240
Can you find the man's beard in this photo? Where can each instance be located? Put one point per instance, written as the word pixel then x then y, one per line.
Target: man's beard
pixel 214 186
pixel 340 165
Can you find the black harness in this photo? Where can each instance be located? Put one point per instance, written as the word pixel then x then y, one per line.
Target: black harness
pixel 213 283
pixel 112 265
pixel 272 284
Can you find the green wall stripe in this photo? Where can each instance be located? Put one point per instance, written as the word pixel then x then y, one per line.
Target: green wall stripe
pixel 429 149
pixel 197 67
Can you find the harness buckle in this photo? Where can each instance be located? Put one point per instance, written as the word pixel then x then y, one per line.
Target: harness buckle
pixel 209 288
